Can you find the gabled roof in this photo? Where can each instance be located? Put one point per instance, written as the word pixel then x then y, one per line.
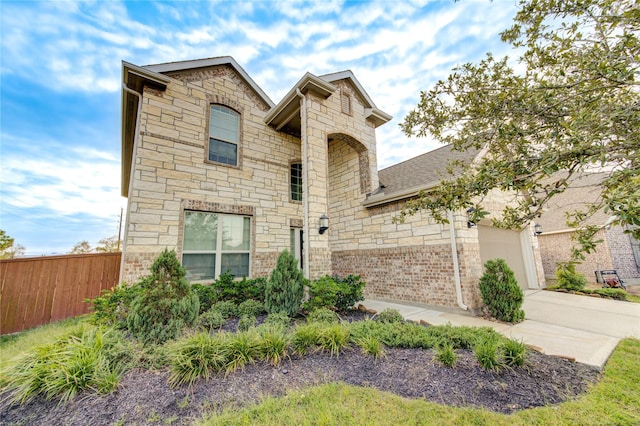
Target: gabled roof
pixel 286 115
pixel 408 178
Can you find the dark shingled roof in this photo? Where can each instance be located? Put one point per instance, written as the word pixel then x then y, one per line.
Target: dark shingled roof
pixel 420 171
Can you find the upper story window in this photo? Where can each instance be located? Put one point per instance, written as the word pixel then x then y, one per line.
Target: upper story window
pixel 296 181
pixel 224 135
pixel 215 243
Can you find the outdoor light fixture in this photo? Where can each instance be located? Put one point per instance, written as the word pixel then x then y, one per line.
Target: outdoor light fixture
pixel 324 223
pixel 537 228
pixel 470 223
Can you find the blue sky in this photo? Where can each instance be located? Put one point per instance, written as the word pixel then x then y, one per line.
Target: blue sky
pixel 61 74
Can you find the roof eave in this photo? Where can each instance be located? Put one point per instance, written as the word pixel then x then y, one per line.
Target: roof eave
pixel 383 198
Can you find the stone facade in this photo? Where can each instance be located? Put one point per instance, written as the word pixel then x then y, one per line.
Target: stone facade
pixel 172 174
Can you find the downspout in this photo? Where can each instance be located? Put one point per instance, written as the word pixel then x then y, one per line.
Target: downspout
pixel 131 175
pixel 305 178
pixel 456 264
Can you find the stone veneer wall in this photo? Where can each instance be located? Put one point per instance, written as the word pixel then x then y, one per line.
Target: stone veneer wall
pixel 622 253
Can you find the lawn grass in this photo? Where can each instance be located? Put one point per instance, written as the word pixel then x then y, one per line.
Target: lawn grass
pixel 614 400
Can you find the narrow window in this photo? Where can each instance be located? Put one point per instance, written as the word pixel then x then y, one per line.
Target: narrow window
pixel 296 181
pixel 214 244
pixel 224 131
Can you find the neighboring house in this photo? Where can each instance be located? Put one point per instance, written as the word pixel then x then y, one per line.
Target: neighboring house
pixel 215 170
pixel 617 251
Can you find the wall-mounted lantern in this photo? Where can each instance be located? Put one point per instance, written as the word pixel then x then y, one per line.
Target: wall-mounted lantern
pixel 537 229
pixel 470 223
pixel 323 224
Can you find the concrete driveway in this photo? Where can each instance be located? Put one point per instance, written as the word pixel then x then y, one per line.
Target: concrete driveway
pixel 577 327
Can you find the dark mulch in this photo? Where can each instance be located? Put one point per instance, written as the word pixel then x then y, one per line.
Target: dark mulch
pixel 144 397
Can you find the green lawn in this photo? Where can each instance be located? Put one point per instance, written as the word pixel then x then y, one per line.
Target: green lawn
pixel 615 400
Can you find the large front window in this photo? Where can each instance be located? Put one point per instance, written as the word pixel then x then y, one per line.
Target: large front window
pixel 215 243
pixel 224 135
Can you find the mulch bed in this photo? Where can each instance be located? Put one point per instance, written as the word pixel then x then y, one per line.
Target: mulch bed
pixel 144 397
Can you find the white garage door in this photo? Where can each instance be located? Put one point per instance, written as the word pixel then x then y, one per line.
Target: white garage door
pixel 505 244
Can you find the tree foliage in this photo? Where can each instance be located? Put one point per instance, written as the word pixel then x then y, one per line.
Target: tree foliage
pixel 500 291
pixel 8 248
pixel 81 247
pixel 571 106
pixel 109 245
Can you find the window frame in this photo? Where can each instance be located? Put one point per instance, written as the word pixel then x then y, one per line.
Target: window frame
pixel 291 182
pixel 219 251
pixel 210 139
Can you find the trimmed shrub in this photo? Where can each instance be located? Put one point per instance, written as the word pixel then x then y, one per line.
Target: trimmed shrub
pixel 277 319
pixel 206 295
pixel 613 293
pixel 112 306
pixel 246 322
pixel 514 353
pixel 569 279
pixel 322 315
pixel 285 287
pixel 390 315
pixel 487 354
pixel 250 307
pixel 211 320
pixel 227 309
pixel 226 287
pixel 500 292
pixel 333 292
pixel 165 304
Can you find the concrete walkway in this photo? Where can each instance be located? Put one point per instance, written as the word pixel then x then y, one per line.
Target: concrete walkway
pixel 580 327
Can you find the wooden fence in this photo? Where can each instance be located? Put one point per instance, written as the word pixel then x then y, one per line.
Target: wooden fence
pixel 40 290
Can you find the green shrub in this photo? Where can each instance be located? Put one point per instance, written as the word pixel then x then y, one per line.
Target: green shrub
pixel 278 319
pixel 446 355
pixel 569 279
pixel 500 292
pixel 390 315
pixel 226 308
pixel 371 345
pixel 165 304
pixel 246 322
pixel 284 290
pixel 487 354
pixel 333 292
pixel 250 307
pixel 334 338
pixel 196 357
pixel 306 337
pixel 322 315
pixel 274 343
pixel 226 287
pixel 514 353
pixel 613 293
pixel 112 306
pixel 206 295
pixel 88 358
pixel 243 348
pixel 211 320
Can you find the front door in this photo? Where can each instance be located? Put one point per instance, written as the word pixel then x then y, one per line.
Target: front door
pixel 297 242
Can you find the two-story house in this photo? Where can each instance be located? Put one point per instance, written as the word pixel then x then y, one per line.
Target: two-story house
pixel 214 169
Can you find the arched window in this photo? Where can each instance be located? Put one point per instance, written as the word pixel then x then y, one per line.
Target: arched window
pixel 224 135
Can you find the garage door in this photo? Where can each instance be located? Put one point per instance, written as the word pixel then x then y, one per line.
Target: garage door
pixel 504 244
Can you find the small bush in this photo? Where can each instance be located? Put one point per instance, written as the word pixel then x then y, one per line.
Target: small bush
pixel 371 345
pixel 500 292
pixel 165 304
pixel 323 315
pixel 285 288
pixel 336 293
pixel 226 287
pixel 334 338
pixel 243 348
pixel 487 354
pixel 206 295
pixel 88 358
pixel 569 279
pixel 250 307
pixel 211 320
pixel 514 353
pixel 112 306
pixel 613 293
pixel 196 357
pixel 306 337
pixel 246 322
pixel 278 319
pixel 274 343
pixel 390 315
pixel 226 308
pixel 446 355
